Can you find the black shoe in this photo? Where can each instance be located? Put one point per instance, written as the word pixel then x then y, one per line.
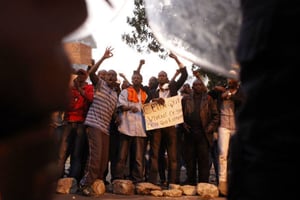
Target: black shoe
pixel 164 185
pixel 87 190
pixel 106 182
pixel 187 182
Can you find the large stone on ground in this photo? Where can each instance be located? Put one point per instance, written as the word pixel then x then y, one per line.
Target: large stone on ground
pixel 189 190
pixel 207 190
pixel 66 186
pixel 98 187
pixel 124 187
pixel 145 188
pixel 174 186
pixel 157 193
pixel 172 193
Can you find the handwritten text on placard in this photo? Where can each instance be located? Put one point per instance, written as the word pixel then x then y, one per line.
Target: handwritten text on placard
pixel 160 116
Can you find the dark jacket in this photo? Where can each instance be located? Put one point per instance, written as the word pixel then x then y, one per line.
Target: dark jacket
pixel 208 112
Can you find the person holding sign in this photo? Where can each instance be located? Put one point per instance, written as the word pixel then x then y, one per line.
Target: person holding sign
pixel 201 118
pixel 165 89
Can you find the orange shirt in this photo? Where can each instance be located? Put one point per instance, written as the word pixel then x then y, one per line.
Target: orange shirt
pixel 133 97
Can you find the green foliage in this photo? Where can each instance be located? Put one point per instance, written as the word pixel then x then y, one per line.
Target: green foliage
pixel 141 38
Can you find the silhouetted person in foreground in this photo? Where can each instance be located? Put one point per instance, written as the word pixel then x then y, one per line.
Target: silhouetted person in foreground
pixel 266 146
pixel 35 78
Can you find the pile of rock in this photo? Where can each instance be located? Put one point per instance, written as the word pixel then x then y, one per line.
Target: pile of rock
pixel 126 187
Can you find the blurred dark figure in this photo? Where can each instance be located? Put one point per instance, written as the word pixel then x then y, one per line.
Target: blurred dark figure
pixel 37 71
pixel 266 146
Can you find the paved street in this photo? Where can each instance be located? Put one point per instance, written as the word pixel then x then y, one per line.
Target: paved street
pixel 110 196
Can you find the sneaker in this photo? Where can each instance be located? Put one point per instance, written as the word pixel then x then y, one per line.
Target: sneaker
pixel 223 188
pixel 87 190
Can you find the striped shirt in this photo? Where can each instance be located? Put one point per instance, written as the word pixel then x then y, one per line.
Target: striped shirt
pixel 101 110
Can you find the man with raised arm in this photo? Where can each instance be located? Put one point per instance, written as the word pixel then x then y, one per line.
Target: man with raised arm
pixel 98 120
pixel 166 89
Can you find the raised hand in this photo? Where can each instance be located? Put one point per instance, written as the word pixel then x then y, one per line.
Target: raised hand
pixel 142 61
pixel 108 52
pixel 172 55
pixel 138 70
pixel 159 100
pixel 122 75
pixel 92 72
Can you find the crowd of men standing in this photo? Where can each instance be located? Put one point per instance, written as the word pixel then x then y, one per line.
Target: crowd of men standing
pixel 264 147
pixel 105 123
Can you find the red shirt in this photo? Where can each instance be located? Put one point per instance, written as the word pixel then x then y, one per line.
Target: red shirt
pixel 79 104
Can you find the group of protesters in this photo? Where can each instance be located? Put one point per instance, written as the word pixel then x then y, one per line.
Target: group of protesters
pixel 104 128
pixel 263 149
